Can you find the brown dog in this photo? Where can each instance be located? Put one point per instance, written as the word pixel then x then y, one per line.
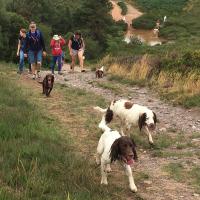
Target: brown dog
pixel 47 84
pixel 100 72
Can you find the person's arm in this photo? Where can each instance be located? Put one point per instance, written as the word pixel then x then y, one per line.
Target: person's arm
pixel 62 41
pixel 83 44
pixel 43 44
pixel 18 47
pixel 69 46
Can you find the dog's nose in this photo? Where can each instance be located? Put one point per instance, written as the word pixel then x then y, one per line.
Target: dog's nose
pixel 152 126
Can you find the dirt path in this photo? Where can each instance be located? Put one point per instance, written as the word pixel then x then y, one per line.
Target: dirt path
pixel 187 120
pixel 160 185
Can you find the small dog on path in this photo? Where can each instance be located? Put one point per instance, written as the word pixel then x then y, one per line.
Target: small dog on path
pixel 47 84
pixel 100 72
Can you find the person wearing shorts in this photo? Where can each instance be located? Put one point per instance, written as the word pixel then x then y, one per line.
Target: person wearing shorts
pixel 76 48
pixel 36 49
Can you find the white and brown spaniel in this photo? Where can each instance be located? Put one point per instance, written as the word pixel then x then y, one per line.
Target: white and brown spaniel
pixel 100 72
pixel 130 114
pixel 111 147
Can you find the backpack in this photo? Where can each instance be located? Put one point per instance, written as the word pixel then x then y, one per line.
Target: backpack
pixel 78 43
pixel 38 35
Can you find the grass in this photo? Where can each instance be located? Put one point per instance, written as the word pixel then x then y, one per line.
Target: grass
pixel 178 172
pixel 169 79
pixel 36 162
pixel 122 80
pixel 109 86
pixel 39 157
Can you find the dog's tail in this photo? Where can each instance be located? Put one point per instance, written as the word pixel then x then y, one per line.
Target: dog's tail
pixel 102 68
pixel 103 126
pixel 102 110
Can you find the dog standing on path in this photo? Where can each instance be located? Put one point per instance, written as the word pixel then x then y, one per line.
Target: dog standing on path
pixel 47 84
pixel 130 114
pixel 114 147
pixel 100 72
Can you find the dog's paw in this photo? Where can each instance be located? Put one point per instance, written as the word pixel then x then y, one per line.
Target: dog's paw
pixel 104 181
pixel 98 162
pixel 133 188
pixel 108 169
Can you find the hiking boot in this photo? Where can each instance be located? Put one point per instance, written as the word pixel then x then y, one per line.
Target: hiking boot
pixel 60 73
pixel 19 72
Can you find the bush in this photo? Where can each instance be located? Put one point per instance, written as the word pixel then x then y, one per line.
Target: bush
pixel 10 24
pixel 93 49
pixel 123 7
pixel 146 21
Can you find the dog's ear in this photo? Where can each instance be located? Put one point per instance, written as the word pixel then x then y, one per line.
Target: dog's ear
pixel 52 79
pixel 134 150
pixel 46 79
pixel 141 121
pixel 155 118
pixel 109 115
pixel 115 150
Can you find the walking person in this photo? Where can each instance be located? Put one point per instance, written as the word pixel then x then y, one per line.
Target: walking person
pixel 56 44
pixel 36 49
pixel 76 47
pixel 21 50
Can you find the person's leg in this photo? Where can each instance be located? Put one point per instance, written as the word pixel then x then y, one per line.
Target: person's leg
pixel 21 61
pixel 80 57
pixel 31 57
pixel 29 65
pixel 63 59
pixel 29 68
pixel 54 59
pixel 39 62
pixel 73 57
pixel 59 58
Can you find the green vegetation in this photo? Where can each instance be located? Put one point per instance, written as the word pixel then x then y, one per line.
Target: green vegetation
pixel 38 158
pixel 59 17
pixel 181 174
pixel 175 76
pixel 156 9
pixel 123 7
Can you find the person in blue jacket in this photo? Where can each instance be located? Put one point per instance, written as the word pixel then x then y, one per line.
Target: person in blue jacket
pixel 36 49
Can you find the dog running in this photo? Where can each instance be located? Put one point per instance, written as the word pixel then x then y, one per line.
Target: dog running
pixel 47 84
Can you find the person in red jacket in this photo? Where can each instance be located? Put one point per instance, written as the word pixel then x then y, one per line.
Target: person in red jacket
pixel 56 45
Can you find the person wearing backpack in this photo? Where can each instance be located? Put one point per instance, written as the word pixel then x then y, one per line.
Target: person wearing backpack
pixel 36 48
pixel 76 47
pixel 56 45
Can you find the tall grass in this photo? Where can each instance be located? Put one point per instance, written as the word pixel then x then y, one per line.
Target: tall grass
pixel 178 83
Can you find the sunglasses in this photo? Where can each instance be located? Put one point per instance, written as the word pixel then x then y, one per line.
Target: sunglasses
pixel 33 27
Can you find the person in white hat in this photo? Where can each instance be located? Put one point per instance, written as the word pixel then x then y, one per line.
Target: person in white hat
pixel 56 45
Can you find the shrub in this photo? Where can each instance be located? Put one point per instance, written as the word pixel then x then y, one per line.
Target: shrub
pixel 146 21
pixel 123 7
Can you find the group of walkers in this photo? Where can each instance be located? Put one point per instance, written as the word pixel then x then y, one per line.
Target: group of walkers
pixel 31 45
